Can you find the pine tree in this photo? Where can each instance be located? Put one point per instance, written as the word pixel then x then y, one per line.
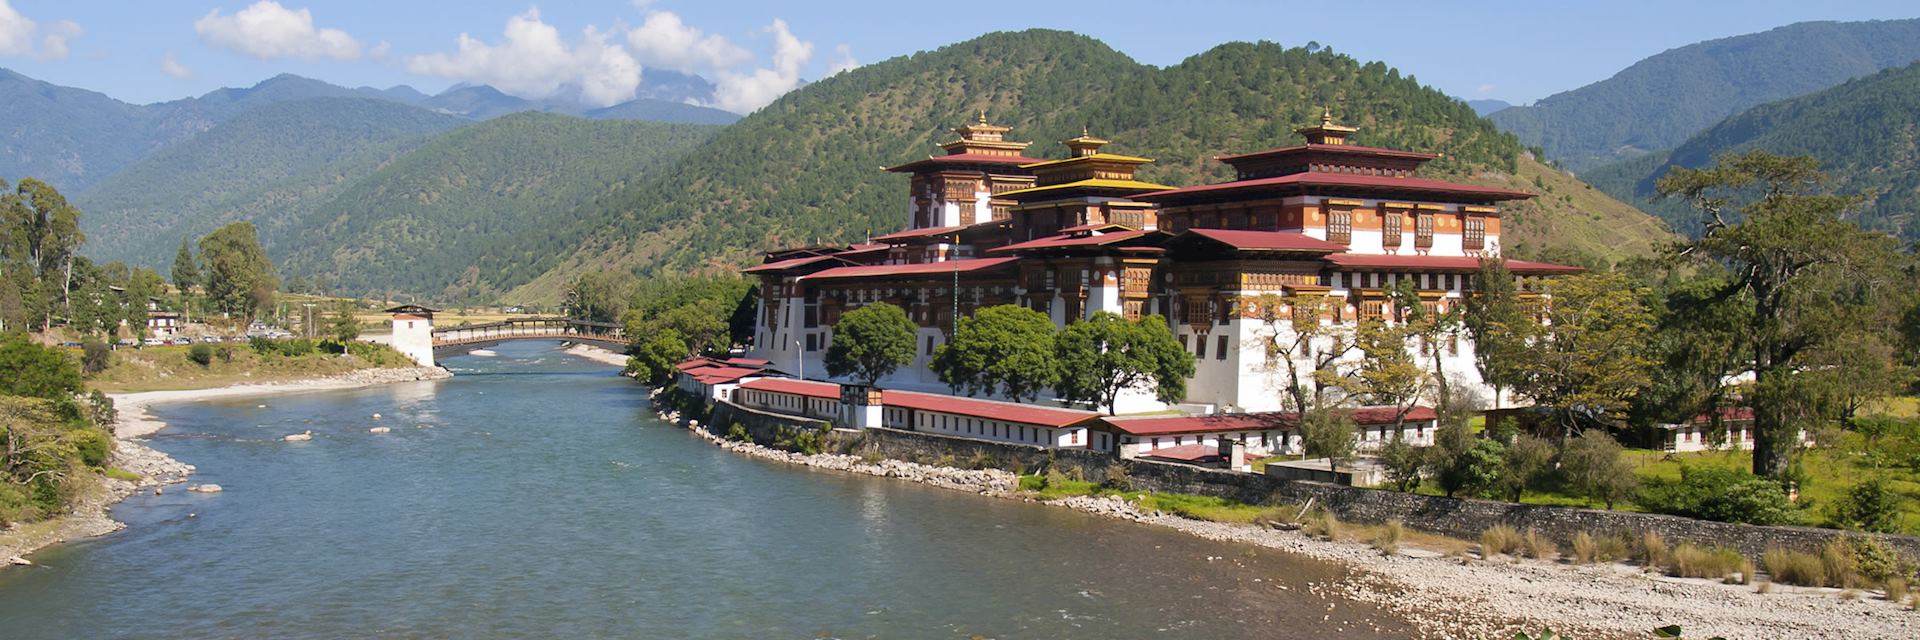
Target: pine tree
pixel 186 270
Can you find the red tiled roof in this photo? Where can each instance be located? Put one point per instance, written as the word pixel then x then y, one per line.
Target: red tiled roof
pixel 1364 416
pixel 721 375
pixel 788 264
pixel 1107 226
pixel 1350 149
pixel 694 363
pixel 918 233
pixel 965 158
pixel 1441 263
pixel 988 409
pixel 807 388
pixel 1191 453
pixel 748 362
pixel 1319 179
pixel 1268 240
pixel 1726 413
pixel 915 269
pixel 1072 240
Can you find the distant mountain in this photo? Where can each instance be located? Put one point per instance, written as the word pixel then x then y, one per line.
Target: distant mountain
pixel 75 138
pixel 267 165
pixel 1484 107
pixel 805 167
pixel 1865 132
pixel 474 209
pixel 1660 101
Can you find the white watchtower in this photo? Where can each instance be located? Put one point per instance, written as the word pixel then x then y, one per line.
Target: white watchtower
pixel 413 332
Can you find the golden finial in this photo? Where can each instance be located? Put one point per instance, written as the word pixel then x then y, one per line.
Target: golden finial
pixel 1326 115
pixel 1084 133
pixel 983 116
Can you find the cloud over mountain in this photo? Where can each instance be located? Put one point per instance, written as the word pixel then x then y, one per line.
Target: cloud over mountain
pixel 266 30
pixel 532 60
pixel 21 36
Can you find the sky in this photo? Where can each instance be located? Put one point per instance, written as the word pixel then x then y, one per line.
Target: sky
pixel 754 50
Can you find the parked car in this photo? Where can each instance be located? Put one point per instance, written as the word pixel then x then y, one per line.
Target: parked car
pixel 128 342
pixel 154 342
pixel 181 342
pixel 211 339
pixel 70 344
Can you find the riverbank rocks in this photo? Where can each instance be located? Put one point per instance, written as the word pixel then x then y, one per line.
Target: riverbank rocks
pixel 981 481
pixel 379 430
pixel 206 488
pixel 299 437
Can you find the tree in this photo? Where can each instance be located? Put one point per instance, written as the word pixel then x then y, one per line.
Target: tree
pixel 1432 330
pixel 1300 344
pixel 342 325
pixel 652 358
pixel 1008 348
pixel 1388 375
pixel 599 296
pixel 871 342
pixel 1474 468
pixel 240 279
pixel 1590 360
pixel 1869 506
pixel 186 270
pixel 39 235
pixel 1104 355
pixel 1328 433
pixel 1593 467
pixel 1525 459
pixel 95 356
pixel 1404 464
pixel 1803 275
pixel 28 369
pixel 1500 326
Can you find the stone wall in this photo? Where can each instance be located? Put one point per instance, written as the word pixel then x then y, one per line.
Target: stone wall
pixel 1454 517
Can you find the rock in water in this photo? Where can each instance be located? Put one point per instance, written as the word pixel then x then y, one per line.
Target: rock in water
pixel 376 416
pixel 205 488
pixel 379 430
pixel 299 437
pixel 17 560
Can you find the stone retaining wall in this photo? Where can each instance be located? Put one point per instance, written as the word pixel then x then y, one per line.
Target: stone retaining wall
pixel 1454 517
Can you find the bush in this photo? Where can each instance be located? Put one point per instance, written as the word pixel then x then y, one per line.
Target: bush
pixel 1690 561
pixel 1613 549
pixel 1868 506
pixel 1117 479
pixel 1843 568
pixel 738 433
pixel 1653 549
pixel 1793 567
pixel 1320 524
pixel 92 446
pixel 1877 561
pixel 200 353
pixel 224 352
pixel 1538 546
pixel 1721 495
pixel 1585 548
pixel 1388 539
pixel 1499 539
pixel 1032 483
pixel 263 346
pixel 297 347
pixel 1896 589
pixel 95 356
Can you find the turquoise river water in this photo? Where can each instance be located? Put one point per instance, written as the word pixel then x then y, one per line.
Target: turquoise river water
pixel 536 495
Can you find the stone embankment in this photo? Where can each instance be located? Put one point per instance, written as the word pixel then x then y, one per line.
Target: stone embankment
pixel 1454 594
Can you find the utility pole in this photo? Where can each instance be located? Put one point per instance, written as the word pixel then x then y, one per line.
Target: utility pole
pixel 308 322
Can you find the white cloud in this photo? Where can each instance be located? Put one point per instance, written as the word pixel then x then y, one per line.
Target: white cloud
pixel 379 51
pixel 842 60
pixel 173 68
pixel 1484 89
pixel 267 30
pixel 664 41
pixel 19 34
pixel 745 93
pixel 534 61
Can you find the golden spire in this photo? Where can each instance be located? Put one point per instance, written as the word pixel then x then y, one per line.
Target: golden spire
pixel 983 117
pixel 1326 115
pixel 1326 132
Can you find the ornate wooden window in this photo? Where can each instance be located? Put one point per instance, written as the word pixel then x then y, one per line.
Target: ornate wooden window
pixel 1390 227
pixel 1196 313
pixel 1476 234
pixel 1340 227
pixel 1423 230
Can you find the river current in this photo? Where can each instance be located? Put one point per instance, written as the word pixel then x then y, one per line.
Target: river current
pixel 536 495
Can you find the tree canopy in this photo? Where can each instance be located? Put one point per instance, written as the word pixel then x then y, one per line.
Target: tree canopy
pixel 240 279
pixel 1007 349
pixel 1105 355
pixel 871 342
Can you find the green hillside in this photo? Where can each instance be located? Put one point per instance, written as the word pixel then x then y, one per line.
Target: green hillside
pixel 488 204
pixel 268 165
pixel 806 166
pixel 1660 101
pixel 1865 132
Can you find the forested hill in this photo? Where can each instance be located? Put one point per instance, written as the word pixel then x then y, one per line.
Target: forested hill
pixel 1660 101
pixel 268 165
pixel 478 209
pixel 806 166
pixel 1865 132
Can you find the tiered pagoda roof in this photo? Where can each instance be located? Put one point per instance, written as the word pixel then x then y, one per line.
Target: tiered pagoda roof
pixel 981 145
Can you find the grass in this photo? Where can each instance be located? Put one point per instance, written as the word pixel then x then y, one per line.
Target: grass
pixel 1795 568
pixel 165 368
pixel 118 473
pixel 1692 561
pixel 1184 505
pixel 1499 539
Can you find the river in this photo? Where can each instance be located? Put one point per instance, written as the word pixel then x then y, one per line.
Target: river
pixel 536 495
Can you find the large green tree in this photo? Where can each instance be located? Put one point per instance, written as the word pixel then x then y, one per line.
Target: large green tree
pixel 1104 355
pixel 1006 348
pixel 871 342
pixel 186 269
pixel 1328 433
pixel 1497 320
pixel 240 279
pixel 1802 274
pixel 600 296
pixel 1590 360
pixel 39 236
pixel 28 369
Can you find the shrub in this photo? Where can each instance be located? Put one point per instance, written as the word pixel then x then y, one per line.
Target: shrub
pixel 1746 570
pixel 1793 567
pixel 1055 478
pixel 1843 568
pixel 1613 549
pixel 1722 495
pixel 1388 538
pixel 1498 539
pixel 200 353
pixel 1896 588
pixel 1877 561
pixel 1868 506
pixel 95 356
pixel 1690 561
pixel 738 433
pixel 224 352
pixel 1653 549
pixel 1117 479
pixel 981 460
pixel 1320 524
pixel 1032 483
pixel 1585 549
pixel 297 347
pixel 1538 546
pixel 92 446
pixel 263 346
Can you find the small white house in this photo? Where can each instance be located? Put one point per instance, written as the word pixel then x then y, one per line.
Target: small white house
pixel 1264 434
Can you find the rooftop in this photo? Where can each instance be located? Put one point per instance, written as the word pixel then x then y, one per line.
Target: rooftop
pixel 1009 161
pixel 1090 183
pixel 1319 180
pixel 1354 261
pixel 914 269
pixel 1071 240
pixel 1241 240
pixel 969 407
pixel 1224 422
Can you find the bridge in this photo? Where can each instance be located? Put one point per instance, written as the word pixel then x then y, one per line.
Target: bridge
pixel 415 335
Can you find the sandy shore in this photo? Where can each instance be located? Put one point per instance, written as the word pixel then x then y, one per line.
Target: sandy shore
pixel 598 354
pixel 89 516
pixel 1471 597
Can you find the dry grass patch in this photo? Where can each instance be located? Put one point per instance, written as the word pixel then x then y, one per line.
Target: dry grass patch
pixel 1498 540
pixel 1691 561
pixel 1387 539
pixel 1795 568
pixel 1538 546
pixel 1652 551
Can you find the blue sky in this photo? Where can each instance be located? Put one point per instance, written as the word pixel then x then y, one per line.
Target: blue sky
pixel 146 51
